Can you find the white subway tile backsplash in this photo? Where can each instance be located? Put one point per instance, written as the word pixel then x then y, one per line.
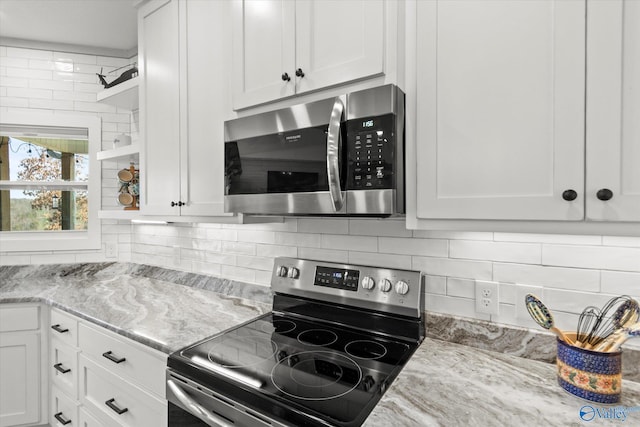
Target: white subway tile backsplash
pixel 453 305
pixel 380 260
pixel 220 258
pixel 350 243
pixel 621 283
pixel 453 235
pixel 222 234
pixel 556 277
pixel 621 241
pixel 378 227
pixel 463 288
pixel 255 262
pixel 527 253
pixel 51 84
pixel 18 52
pixel 323 226
pixel 547 238
pixel 207 268
pixel 29 74
pixel 323 254
pixel 481 270
pixel 573 301
pixel 413 246
pixel 256 236
pixel 435 285
pixel 276 250
pixel 20 92
pixel 305 240
pixel 14 82
pixel 239 248
pixel 238 273
pixel 598 257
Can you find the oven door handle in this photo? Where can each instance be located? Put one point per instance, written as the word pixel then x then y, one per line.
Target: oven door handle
pixel 195 408
pixel 334 142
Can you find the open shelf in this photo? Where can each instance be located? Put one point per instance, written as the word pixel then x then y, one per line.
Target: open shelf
pixel 124 95
pixel 127 150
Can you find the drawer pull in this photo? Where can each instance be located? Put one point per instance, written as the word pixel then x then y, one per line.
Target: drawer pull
pixel 109 355
pixel 57 328
pixel 60 369
pixel 115 409
pixel 61 419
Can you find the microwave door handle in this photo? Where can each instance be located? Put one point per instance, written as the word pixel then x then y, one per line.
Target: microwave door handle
pixel 334 141
pixel 195 408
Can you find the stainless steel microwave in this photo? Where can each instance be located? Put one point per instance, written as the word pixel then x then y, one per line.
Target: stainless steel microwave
pixel 338 156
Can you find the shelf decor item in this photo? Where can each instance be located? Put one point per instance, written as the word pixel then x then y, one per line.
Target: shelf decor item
pixel 592 375
pixel 129 192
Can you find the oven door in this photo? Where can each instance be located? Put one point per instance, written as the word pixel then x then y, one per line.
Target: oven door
pixel 287 162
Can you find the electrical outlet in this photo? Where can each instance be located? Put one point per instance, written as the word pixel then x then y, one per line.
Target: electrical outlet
pixel 110 249
pixel 487 297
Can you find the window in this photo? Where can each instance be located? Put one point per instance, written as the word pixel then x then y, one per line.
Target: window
pixel 49 182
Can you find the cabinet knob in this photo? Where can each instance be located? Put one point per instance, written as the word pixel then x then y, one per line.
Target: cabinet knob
pixel 285 77
pixel 604 194
pixel 173 204
pixel 299 72
pixel 569 195
pixel 181 203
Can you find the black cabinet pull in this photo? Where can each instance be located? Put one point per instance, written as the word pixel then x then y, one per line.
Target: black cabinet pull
pixel 299 72
pixel 113 406
pixel 60 369
pixel 604 194
pixel 61 419
pixel 181 203
pixel 285 77
pixel 109 355
pixel 57 328
pixel 569 195
pixel 173 204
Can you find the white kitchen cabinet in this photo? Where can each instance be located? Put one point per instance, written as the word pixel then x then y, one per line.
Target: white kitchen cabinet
pixel 500 109
pixel 613 110
pixel 183 106
pixel 499 115
pixel 284 47
pixel 21 374
pixel 63 408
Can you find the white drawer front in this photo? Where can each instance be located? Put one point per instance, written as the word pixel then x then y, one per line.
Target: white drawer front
pixel 88 420
pixel 64 327
pixel 144 367
pixel 106 394
pixel 64 367
pixel 19 318
pixel 64 411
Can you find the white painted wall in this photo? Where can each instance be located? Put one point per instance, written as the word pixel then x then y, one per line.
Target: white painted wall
pixel 44 81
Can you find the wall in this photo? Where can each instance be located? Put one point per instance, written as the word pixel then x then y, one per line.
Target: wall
pixel 62 83
pixel 567 272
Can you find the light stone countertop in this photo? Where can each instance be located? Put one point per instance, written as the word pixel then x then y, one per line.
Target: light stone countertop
pixel 444 384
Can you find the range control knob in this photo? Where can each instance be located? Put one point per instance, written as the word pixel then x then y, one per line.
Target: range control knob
pixel 401 287
pixel 368 283
pixel 281 271
pixel 385 285
pixel 293 273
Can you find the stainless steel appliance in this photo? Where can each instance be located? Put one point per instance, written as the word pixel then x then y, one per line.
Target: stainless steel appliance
pixel 337 337
pixel 338 156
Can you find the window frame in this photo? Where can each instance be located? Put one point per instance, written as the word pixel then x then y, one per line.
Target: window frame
pixel 62 240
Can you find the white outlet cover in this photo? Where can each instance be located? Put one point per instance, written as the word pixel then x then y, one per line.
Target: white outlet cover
pixel 487 297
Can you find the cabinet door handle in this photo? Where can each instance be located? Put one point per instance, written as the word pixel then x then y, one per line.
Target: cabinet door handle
pixel 173 204
pixel 299 73
pixel 285 77
pixel 60 369
pixel 57 328
pixel 61 419
pixel 604 194
pixel 109 355
pixel 113 407
pixel 569 195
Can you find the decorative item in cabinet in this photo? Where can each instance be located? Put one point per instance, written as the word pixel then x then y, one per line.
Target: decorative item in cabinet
pixel 129 192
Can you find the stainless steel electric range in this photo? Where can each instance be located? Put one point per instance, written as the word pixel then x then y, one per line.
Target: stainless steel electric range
pixel 337 337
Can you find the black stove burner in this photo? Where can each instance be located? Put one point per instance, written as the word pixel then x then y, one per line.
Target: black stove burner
pixel 317 337
pixel 280 326
pixel 365 349
pixel 316 375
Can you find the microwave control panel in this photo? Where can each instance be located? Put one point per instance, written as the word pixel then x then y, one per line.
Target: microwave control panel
pixel 371 152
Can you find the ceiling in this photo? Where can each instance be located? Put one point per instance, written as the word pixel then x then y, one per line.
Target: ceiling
pixel 105 27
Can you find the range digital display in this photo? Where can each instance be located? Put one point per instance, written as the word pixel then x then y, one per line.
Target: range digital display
pixel 337 278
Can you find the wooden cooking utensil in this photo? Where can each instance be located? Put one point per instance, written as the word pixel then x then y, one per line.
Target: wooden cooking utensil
pixel 542 316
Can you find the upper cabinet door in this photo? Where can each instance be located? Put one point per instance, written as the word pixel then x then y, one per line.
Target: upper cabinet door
pixel 500 109
pixel 613 110
pixel 158 32
pixel 263 51
pixel 338 41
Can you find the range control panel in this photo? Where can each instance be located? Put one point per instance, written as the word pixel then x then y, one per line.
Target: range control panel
pixel 384 289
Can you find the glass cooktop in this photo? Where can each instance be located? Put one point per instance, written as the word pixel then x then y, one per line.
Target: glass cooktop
pixel 333 373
